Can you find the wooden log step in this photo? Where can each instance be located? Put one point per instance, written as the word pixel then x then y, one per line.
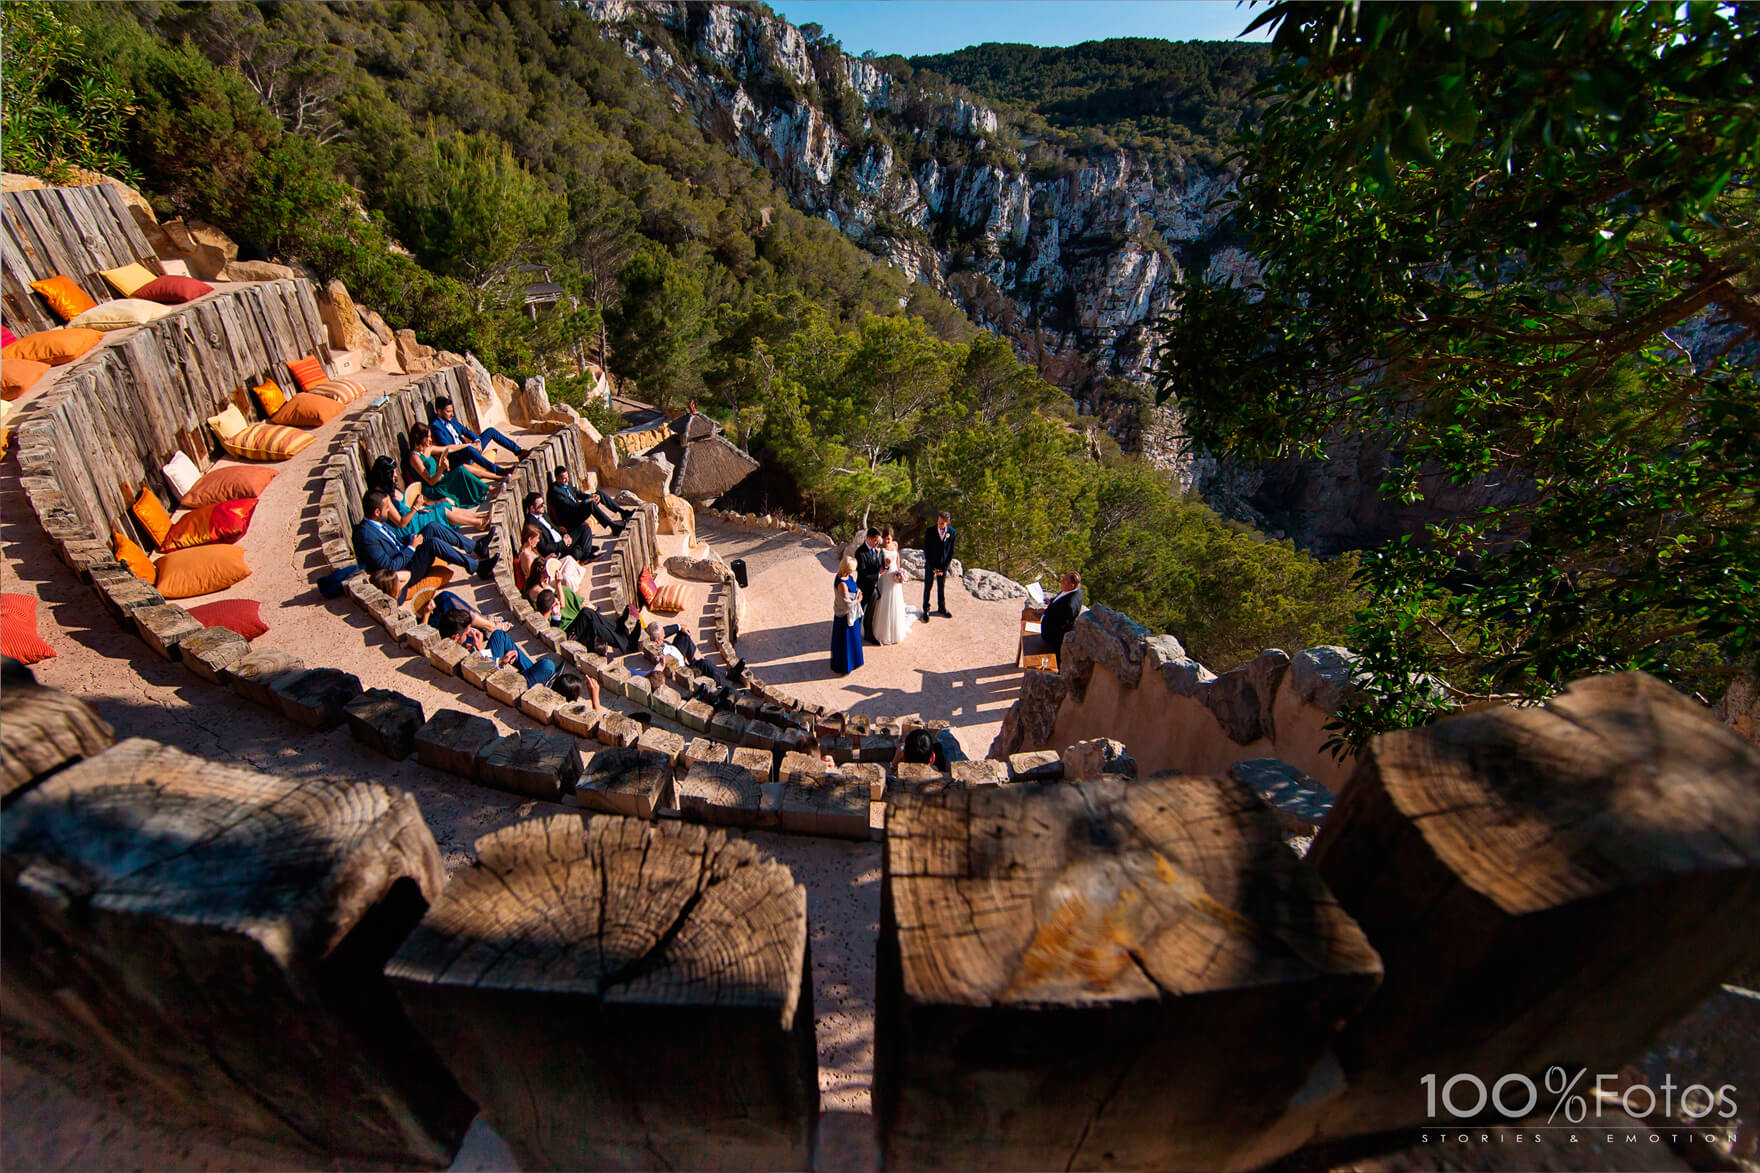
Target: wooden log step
pixel 720 793
pixel 662 741
pixel 42 730
pixel 211 651
pixel 615 729
pixel 542 763
pixel 227 929
pixel 701 749
pixel 980 772
pixel 584 976
pixel 315 697
pixel 1547 884
pixel 1100 975
pixel 626 780
pixel 451 741
pixel 579 718
pixel 253 674
pixel 830 805
pixel 385 721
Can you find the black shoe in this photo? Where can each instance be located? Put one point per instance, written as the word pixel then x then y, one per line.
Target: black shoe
pixel 481 548
pixel 486 566
pixel 925 617
pixel 946 614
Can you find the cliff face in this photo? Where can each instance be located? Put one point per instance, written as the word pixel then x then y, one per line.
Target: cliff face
pixel 1070 255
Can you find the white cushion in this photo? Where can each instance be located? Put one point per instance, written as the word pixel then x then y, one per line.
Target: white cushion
pixel 121 314
pixel 182 473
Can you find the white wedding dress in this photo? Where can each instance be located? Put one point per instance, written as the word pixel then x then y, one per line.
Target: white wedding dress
pixel 892 619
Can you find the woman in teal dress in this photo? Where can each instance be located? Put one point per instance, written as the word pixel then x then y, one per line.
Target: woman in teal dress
pixel 461 486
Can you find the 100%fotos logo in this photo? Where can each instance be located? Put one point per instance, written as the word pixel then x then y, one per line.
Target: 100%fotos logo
pixel 1515 1097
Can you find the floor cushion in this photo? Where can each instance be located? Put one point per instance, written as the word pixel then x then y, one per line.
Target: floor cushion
pixel 18 375
pixel 150 512
pixel 55 346
pixel 307 410
pixel 240 615
pixel 228 484
pixel 127 279
pixel 223 521
pixel 341 390
pixel 228 423
pixel 173 290
pixel 668 600
pixel 18 630
pixel 308 371
pixel 268 442
pixel 183 475
pixel 130 554
pixel 7 337
pixel 183 574
pixel 121 314
pixel 271 396
pixel 64 296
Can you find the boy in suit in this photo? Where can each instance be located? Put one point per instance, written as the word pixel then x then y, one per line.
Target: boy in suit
pixel 937 558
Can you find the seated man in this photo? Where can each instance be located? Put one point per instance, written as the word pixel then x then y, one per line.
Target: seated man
pixel 498 646
pixel 379 546
pixel 555 543
pixel 462 444
pixel 571 507
pixel 605 634
pixel 1061 611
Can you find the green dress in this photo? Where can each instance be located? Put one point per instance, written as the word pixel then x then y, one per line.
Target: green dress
pixel 419 518
pixel 460 486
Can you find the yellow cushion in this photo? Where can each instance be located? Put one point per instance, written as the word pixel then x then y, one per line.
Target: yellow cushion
pixel 128 278
pixel 307 410
pixel 268 442
pixel 270 395
pixel 184 574
pixel 148 510
pixel 121 314
pixel 65 297
pixel 135 558
pixel 308 371
pixel 228 423
pixel 54 346
pixel 341 390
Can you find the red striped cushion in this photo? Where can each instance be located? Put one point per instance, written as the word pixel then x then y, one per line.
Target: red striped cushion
pixel 341 390
pixel 668 600
pixel 268 442
pixel 308 370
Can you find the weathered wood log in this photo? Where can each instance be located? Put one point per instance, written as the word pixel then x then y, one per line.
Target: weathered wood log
pixel 828 805
pixel 220 934
pixel 315 697
pixel 385 720
pixel 720 793
pixel 701 749
pixel 615 729
pixel 580 718
pixel 626 780
pixel 451 741
pixel 662 741
pixel 253 675
pixel 42 730
pixel 210 651
pixel 980 772
pixel 1549 884
pixel 542 763
pixel 624 995
pixel 1099 975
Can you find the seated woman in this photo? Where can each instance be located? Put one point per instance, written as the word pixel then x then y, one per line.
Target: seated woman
pixel 442 601
pixel 461 486
pixel 557 604
pixel 532 570
pixel 392 582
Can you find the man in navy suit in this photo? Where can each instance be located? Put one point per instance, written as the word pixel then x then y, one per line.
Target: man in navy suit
pixel 1060 614
pixel 462 444
pixel 555 540
pixel 937 559
pixel 380 547
pixel 570 507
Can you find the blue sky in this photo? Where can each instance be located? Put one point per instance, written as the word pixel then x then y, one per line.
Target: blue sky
pixel 941 26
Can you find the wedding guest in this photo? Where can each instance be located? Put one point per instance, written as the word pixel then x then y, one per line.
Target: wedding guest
pixel 937 559
pixel 1061 612
pixel 571 507
pixel 461 486
pixel 462 444
pixel 846 622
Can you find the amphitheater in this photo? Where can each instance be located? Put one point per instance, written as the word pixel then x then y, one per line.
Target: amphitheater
pixel 340 895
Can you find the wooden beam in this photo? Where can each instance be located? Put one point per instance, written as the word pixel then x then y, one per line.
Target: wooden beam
pixel 42 730
pixel 618 994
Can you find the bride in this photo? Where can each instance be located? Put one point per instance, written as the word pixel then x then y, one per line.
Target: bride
pixel 892 620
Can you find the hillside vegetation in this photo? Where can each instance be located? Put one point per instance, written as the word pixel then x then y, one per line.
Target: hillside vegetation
pixel 424 152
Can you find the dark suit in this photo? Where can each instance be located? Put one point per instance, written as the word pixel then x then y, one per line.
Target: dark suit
pixel 937 555
pixel 556 541
pixel 1059 617
pixel 380 548
pixel 571 507
pixel 870 561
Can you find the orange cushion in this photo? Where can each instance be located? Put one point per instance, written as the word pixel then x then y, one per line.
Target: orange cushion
pixel 307 410
pixel 308 370
pixel 54 346
pixel 223 521
pixel 668 600
pixel 18 375
pixel 271 396
pixel 238 615
pixel 646 588
pixel 228 484
pixel 184 574
pixel 151 514
pixel 341 390
pixel 18 630
pixel 65 297
pixel 133 557
pixel 268 442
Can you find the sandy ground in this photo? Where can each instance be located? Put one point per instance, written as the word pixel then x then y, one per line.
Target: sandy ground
pixel 961 670
pixel 102 1119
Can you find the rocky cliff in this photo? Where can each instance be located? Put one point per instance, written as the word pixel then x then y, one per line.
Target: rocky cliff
pixel 1069 253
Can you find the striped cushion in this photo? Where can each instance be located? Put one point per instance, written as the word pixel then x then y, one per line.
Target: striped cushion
pixel 308 371
pixel 268 442
pixel 668 600
pixel 341 390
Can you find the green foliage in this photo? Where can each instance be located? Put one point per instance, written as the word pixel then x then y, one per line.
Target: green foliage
pixel 1524 237
pixel 59 108
pixel 662 327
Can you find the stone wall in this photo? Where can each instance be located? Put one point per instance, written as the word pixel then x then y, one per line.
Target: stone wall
pixel 1118 680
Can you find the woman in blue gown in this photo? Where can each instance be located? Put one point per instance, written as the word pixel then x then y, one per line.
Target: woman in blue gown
pixel 846 621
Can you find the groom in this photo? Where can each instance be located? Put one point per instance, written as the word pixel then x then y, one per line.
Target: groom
pixel 870 561
pixel 937 559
